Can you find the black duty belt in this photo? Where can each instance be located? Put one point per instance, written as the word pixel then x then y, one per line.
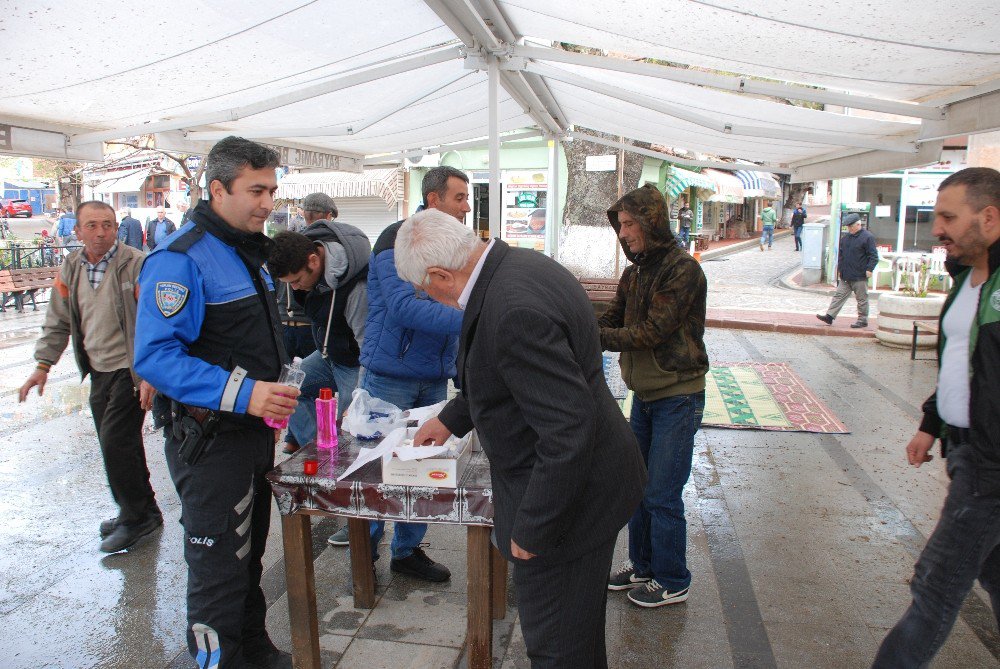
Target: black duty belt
pixel 959 435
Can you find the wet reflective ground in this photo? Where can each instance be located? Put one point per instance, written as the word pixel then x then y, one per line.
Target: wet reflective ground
pixel 801 545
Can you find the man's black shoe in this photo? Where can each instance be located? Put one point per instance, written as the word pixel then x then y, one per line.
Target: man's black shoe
pixel 272 659
pixel 420 566
pixel 126 534
pixel 108 526
pixel 826 318
pixel 860 324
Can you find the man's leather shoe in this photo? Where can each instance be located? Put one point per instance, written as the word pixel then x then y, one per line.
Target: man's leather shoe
pixel 108 526
pixel 420 566
pixel 273 659
pixel 126 534
pixel 860 324
pixel 826 318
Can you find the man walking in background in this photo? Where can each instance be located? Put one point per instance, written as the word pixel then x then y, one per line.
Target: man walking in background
pixel 858 257
pixel 768 219
pixel 130 230
pixel 159 228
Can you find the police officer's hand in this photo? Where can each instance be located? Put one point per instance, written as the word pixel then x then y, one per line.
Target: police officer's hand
pixel 918 450
pixel 37 378
pixel 431 432
pixel 272 400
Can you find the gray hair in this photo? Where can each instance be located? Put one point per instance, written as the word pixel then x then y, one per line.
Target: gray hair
pixel 230 155
pixel 436 181
pixel 432 238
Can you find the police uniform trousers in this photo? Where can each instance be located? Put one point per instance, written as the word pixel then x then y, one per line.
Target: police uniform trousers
pixel 225 511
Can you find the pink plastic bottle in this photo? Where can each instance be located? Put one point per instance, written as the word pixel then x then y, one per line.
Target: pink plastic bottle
pixel 326 419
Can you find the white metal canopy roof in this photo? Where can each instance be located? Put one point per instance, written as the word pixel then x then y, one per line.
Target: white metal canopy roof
pixel 336 81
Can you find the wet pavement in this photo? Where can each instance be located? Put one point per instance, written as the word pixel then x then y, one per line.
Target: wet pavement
pixel 801 545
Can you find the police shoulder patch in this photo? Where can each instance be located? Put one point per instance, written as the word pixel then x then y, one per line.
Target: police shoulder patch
pixel 170 297
pixel 995 300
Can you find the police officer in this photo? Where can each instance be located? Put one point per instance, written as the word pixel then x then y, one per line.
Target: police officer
pixel 209 338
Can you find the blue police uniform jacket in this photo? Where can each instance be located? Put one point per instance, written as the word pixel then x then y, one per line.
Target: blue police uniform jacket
pixel 207 327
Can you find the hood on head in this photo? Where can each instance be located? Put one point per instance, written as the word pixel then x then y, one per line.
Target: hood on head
pixel 648 206
pixel 354 251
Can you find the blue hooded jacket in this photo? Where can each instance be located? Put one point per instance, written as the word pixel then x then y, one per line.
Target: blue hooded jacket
pixel 406 336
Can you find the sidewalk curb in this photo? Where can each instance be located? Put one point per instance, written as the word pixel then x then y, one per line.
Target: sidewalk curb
pixel 790 328
pixel 739 246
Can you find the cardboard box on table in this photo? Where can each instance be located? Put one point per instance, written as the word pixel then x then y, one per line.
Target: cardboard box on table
pixel 440 471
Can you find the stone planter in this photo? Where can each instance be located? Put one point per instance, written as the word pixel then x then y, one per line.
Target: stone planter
pixel 896 313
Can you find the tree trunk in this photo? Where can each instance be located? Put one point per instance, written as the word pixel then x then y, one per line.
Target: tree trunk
pixel 588 245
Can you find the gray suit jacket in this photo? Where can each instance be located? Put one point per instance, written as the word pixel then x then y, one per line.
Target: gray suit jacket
pixel 567 472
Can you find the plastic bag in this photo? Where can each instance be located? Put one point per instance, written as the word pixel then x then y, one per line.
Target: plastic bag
pixel 371 418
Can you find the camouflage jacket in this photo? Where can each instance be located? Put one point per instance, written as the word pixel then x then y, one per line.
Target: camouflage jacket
pixel 657 317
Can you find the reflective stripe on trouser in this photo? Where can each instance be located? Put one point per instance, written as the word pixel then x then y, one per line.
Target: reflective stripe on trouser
pixel 225 510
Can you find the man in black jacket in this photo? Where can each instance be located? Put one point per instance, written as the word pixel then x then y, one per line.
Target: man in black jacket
pixel 963 412
pixel 858 257
pixel 566 468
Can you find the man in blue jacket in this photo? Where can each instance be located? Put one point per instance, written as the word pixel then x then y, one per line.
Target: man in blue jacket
pixel 130 230
pixel 409 352
pixel 858 257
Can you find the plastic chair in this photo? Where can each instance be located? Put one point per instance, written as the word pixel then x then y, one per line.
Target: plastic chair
pixel 906 270
pixel 884 266
pixel 937 269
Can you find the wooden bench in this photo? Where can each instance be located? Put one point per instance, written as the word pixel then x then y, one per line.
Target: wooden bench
pixel 931 327
pixel 600 292
pixel 21 283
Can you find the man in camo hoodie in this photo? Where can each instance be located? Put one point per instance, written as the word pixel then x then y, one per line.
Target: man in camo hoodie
pixel 657 321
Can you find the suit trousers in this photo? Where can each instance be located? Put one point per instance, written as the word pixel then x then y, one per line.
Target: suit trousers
pixel 118 419
pixel 562 609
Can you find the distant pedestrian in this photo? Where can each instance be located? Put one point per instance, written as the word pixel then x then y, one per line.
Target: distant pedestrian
pixel 130 230
pixel 93 304
pixel 962 412
pixel 64 227
pixel 768 218
pixel 685 216
pixel 159 228
pixel 798 220
pixel 858 257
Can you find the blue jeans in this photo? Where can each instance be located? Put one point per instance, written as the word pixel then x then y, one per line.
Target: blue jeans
pixel 683 236
pixel 406 394
pixel 798 237
pixel 965 546
pixel 320 373
pixel 767 237
pixel 657 532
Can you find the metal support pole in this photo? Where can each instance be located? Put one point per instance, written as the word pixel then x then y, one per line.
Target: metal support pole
pixel 553 218
pixel 493 70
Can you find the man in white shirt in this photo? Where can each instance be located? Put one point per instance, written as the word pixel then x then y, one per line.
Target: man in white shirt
pixel 964 412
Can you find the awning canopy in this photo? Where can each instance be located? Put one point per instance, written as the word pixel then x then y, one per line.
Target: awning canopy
pixel 386 184
pixel 412 77
pixel 679 180
pixel 758 184
pixel 728 188
pixel 118 182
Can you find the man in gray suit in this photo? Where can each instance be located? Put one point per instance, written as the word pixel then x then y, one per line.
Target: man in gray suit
pixel 567 472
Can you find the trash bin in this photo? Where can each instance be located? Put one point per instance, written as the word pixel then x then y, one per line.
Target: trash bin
pixel 814 242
